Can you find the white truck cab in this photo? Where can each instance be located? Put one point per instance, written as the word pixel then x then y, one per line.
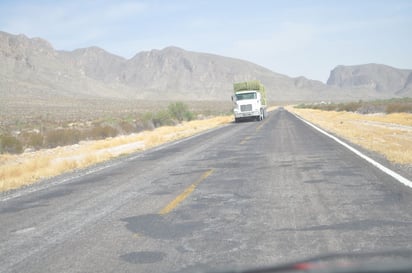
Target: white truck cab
pixel 248 104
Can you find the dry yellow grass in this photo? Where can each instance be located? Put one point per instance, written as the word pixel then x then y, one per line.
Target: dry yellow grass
pixel 27 168
pixel 389 135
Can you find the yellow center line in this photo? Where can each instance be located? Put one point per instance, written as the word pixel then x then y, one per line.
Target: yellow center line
pixel 258 128
pixel 261 125
pixel 245 140
pixel 172 205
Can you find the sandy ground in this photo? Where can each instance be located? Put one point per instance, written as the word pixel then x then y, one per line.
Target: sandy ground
pixel 389 135
pixel 27 168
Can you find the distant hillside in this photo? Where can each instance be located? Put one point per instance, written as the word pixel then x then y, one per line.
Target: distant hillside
pixel 32 69
pixel 380 78
pixel 177 74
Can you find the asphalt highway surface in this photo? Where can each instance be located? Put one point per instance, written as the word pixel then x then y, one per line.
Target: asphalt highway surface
pixel 244 195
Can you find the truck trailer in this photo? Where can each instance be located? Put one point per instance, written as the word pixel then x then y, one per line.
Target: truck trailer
pixel 249 100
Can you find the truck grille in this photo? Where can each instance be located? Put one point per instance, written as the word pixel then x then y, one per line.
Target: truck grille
pixel 247 107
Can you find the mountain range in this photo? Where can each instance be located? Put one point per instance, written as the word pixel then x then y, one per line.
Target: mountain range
pixel 32 69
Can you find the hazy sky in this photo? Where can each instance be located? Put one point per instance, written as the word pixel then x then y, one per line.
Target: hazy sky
pixel 295 38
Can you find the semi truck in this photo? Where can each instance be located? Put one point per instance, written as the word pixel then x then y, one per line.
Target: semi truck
pixel 249 100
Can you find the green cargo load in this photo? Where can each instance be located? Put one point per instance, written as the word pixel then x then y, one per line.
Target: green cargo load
pixel 251 85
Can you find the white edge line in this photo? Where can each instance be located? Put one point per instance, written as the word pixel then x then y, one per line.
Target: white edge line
pixel 384 169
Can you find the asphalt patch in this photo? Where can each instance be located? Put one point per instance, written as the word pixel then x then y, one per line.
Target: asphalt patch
pixel 161 227
pixel 143 257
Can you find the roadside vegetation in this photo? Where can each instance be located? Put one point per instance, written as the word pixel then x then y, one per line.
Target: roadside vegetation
pixel 65 149
pixel 396 105
pixel 384 127
pixel 45 133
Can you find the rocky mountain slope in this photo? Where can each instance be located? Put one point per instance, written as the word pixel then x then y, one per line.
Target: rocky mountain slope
pixel 377 77
pixel 32 68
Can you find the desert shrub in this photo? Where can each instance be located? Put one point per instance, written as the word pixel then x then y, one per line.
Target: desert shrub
pixel 141 125
pixel 301 106
pixel 180 111
pixel 162 118
pixel 370 108
pixel 350 106
pixel 399 108
pixel 127 127
pixel 102 132
pixel 189 116
pixel 347 107
pixel 146 121
pixel 329 107
pixel 340 107
pixel 10 144
pixel 62 137
pixel 175 113
pixel 32 139
pixel 395 105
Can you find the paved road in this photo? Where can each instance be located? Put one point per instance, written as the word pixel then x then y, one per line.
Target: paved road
pixel 247 194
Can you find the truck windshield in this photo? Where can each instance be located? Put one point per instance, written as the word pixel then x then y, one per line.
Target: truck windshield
pixel 246 96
